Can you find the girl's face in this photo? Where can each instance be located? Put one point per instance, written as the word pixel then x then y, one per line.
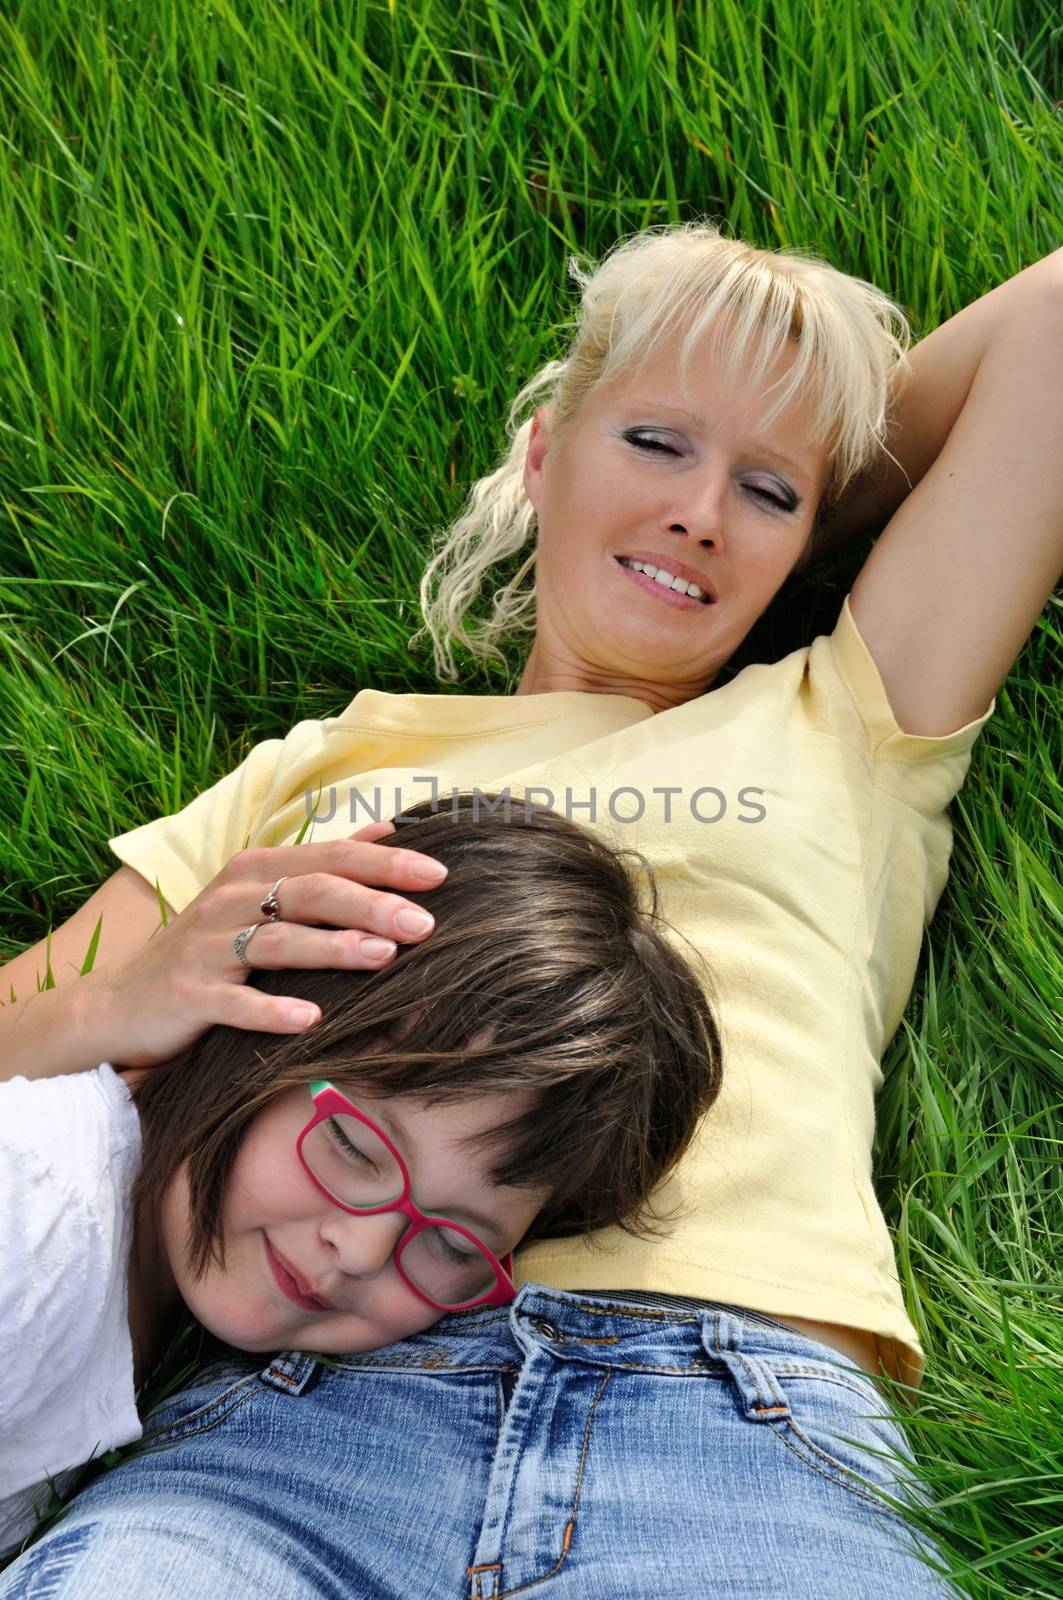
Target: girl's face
pixel 689 478
pixel 274 1216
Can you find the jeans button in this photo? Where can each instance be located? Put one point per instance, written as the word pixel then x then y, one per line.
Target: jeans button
pixel 546 1329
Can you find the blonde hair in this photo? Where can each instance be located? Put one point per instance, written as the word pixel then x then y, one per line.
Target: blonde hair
pixel 850 337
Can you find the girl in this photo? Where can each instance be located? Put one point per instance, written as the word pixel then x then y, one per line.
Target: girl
pixel 341 1189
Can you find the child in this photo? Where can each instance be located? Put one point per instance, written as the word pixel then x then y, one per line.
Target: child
pixel 534 1068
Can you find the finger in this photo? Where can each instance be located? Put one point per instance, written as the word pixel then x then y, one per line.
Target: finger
pixel 374 831
pixel 319 897
pixel 263 1013
pixel 289 944
pixel 364 862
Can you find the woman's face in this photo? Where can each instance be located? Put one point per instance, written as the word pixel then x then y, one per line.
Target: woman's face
pixel 274 1217
pixel 686 477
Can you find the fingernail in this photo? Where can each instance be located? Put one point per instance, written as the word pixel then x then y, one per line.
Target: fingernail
pixel 377 949
pixel 426 869
pixel 414 921
pixel 302 1016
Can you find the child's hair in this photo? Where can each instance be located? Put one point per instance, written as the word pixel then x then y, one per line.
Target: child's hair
pixel 849 336
pixel 544 974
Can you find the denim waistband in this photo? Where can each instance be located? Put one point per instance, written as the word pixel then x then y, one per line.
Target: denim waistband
pixel 606 1332
pixel 676 1302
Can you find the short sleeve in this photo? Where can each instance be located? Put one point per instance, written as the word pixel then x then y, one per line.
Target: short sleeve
pixel 69 1155
pixel 183 852
pixel 924 771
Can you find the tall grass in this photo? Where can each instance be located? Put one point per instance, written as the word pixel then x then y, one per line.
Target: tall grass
pixel 269 274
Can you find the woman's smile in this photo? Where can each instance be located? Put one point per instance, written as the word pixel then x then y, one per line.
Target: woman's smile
pixel 675 585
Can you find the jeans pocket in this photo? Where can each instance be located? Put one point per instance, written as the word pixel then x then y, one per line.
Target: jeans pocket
pixel 210 1400
pixel 839 1426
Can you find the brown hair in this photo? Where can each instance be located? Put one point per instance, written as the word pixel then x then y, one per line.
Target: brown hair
pixel 543 954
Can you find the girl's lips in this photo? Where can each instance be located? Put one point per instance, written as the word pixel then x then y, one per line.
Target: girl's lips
pixel 292 1284
pixel 669 597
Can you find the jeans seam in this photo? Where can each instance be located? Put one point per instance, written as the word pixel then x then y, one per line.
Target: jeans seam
pixel 636 1313
pixel 570 1526
pixel 432 1368
pixel 838 1474
pixel 205 1418
pixel 607 1308
pixel 840 1378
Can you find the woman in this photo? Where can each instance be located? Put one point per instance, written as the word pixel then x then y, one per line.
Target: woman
pixel 691 1410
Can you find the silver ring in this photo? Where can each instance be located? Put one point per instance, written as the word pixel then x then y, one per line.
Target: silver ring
pixel 270 906
pixel 241 942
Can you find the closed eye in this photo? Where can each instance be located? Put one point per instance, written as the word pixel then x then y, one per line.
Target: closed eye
pixel 650 445
pixel 345 1147
pixel 772 499
pixel 454 1247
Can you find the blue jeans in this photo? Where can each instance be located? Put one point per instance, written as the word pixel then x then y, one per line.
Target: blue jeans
pixel 562 1447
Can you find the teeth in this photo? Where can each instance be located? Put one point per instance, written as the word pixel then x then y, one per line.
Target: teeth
pixel 666 579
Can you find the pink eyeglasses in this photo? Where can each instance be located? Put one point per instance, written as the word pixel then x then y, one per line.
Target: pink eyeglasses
pixel 355 1164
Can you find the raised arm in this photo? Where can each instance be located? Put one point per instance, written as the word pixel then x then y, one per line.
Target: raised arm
pixel 968 557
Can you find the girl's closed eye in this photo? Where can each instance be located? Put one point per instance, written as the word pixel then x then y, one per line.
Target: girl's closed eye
pixel 453 1247
pixel 346 1147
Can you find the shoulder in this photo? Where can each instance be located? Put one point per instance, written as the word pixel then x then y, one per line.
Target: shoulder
pixel 847 656
pixel 849 699
pixel 69 1153
pixel 67 1122
pixel 831 695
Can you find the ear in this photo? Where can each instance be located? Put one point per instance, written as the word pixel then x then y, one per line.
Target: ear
pixel 538 444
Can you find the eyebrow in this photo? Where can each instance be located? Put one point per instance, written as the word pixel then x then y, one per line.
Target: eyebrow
pixel 699 422
pixel 398 1137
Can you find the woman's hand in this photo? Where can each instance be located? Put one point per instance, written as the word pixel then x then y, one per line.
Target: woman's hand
pixel 188 976
pixel 155 989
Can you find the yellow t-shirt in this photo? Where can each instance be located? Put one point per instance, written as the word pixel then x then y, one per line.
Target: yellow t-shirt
pixel 800 841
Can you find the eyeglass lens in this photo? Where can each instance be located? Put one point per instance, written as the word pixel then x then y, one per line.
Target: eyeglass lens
pixel 358 1169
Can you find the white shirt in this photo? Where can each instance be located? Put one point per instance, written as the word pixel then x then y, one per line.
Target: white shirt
pixel 69 1154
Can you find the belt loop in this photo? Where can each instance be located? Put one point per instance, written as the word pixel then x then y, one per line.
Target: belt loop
pixel 483 1581
pixel 290 1371
pixel 758 1388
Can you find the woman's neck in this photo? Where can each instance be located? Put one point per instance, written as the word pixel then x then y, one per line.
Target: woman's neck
pixel 541 676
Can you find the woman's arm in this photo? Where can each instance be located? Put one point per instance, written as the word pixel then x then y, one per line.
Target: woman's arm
pixel 156 988
pixel 959 576
pixel 47 1032
pixel 927 396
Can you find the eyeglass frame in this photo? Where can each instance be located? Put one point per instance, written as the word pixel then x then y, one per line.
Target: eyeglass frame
pixel 330 1102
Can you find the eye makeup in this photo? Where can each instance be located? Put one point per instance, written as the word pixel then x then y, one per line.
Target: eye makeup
pixel 649 442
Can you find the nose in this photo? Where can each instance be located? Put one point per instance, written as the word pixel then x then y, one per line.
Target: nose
pixel 362 1246
pixel 699 516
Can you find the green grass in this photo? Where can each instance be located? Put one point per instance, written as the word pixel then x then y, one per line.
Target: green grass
pixel 269 275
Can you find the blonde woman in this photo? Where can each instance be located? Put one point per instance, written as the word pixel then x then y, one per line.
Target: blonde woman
pixel 696 1411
